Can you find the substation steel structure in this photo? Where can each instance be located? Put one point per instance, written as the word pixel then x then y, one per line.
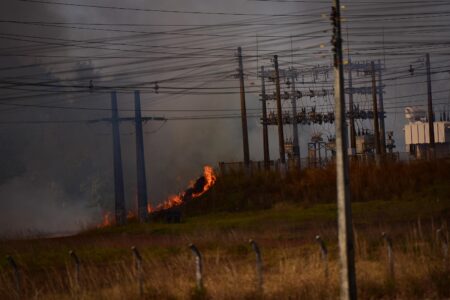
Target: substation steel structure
pixel 301 116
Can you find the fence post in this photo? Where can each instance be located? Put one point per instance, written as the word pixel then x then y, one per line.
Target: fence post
pixel 138 269
pixel 324 254
pixel 390 255
pixel 76 260
pixel 198 266
pixel 442 239
pixel 259 265
pixel 15 267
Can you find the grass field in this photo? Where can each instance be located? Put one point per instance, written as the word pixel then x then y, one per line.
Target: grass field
pixel 285 229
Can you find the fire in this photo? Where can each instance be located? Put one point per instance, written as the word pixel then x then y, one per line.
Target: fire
pixel 196 189
pixel 210 177
pixel 176 200
pixel 108 220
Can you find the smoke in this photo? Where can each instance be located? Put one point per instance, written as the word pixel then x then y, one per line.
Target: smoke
pixel 31 207
pixel 59 176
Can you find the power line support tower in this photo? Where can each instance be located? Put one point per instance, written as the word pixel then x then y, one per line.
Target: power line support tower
pixel 264 121
pixel 345 232
pixel 140 161
pixel 296 146
pixel 243 110
pixel 381 108
pixel 119 194
pixel 279 112
pixel 376 125
pixel 431 151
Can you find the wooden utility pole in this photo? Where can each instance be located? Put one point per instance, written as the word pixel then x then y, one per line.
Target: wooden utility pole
pixel 264 121
pixel 119 194
pixel 350 108
pixel 376 126
pixel 243 110
pixel 431 151
pixel 140 161
pixel 350 100
pixel 296 145
pixel 345 232
pixel 279 111
pixel 381 109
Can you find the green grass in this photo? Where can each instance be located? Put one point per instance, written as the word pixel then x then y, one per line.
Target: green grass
pixel 289 218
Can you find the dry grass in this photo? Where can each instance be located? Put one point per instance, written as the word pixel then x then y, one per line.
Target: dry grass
pixel 292 270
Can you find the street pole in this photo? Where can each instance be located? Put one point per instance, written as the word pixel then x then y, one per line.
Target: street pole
pixel 140 161
pixel 381 108
pixel 264 121
pixel 296 146
pixel 376 125
pixel 243 110
pixel 119 194
pixel 345 232
pixel 431 152
pixel 279 112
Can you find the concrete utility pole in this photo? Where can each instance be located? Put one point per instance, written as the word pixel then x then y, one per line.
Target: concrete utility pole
pixel 296 146
pixel 381 108
pixel 345 232
pixel 119 194
pixel 140 161
pixel 243 110
pixel 432 152
pixel 376 125
pixel 279 112
pixel 264 112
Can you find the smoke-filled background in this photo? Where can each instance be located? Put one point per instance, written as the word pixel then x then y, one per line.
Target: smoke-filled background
pixel 60 60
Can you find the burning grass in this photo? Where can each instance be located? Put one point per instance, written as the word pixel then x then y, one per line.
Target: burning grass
pixel 416 201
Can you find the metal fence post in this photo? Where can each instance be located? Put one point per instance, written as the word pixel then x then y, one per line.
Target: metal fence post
pixel 15 268
pixel 76 260
pixel 259 265
pixel 390 255
pixel 138 269
pixel 324 254
pixel 198 266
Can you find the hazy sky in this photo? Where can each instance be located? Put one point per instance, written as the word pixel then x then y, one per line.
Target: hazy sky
pixel 50 53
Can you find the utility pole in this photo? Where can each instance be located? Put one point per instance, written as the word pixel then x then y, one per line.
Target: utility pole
pixel 376 125
pixel 279 112
pixel 350 100
pixel 431 152
pixel 140 161
pixel 345 232
pixel 381 108
pixel 296 146
pixel 119 194
pixel 350 108
pixel 243 110
pixel 264 121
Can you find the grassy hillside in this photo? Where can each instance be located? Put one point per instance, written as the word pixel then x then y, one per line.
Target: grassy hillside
pixel 283 214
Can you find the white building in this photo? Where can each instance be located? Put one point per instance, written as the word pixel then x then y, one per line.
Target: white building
pixel 417 137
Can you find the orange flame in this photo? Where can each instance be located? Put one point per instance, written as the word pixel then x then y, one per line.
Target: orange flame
pixel 176 200
pixel 208 173
pixel 108 220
